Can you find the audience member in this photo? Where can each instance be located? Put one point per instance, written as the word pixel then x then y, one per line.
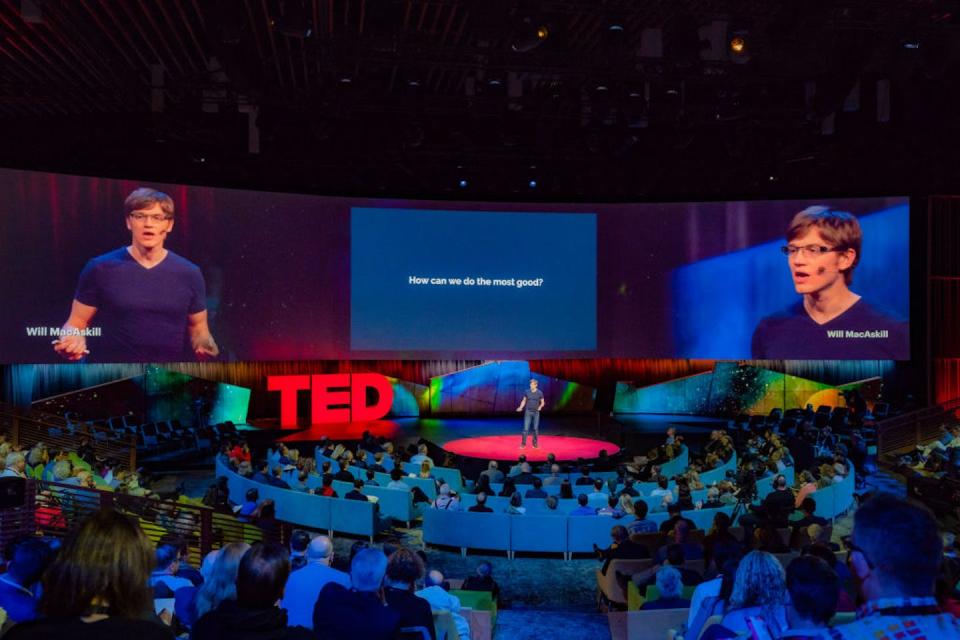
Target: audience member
pixel 434 593
pixel 304 586
pixel 566 490
pixel 675 516
pixel 814 588
pixel 483 581
pixel 25 568
pixel 710 598
pixel 396 480
pixel 516 507
pixel 526 474
pixel 759 590
pixel 681 536
pixel 299 541
pixel 622 548
pixel 163 579
pixel 584 478
pixel 670 587
pixel 221 584
pixel 357 492
pixel 612 508
pixel 598 493
pixel 343 474
pixel 342 613
pixel 583 509
pixel 404 569
pixel 640 523
pixel 509 488
pixel 422 456
pixel 97 588
pixel 808 506
pixel 326 488
pixel 492 474
pixel 537 490
pixel 446 499
pixel 481 505
pixel 261 578
pixel 554 478
pixel 895 555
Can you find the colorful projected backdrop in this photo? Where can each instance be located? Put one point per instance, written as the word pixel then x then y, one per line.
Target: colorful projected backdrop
pixel 731 389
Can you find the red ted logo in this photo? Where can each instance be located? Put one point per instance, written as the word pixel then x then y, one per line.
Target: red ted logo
pixel 334 397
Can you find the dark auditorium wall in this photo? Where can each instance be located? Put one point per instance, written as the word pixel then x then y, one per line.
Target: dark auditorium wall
pixel 944 296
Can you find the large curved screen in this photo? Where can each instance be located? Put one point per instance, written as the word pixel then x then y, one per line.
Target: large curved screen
pixel 245 275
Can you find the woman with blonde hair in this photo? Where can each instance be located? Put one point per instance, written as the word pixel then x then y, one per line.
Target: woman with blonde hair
pixel 222 583
pixel 759 590
pixel 626 504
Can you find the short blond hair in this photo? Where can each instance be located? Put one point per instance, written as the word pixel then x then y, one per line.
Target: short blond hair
pixel 838 228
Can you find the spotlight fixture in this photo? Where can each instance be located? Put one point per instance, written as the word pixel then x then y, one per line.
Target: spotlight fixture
pixel 463 184
pixel 739 46
pixel 529 36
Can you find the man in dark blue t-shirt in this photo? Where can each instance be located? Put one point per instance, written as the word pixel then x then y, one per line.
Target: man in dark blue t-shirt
pixel 831 321
pixel 531 404
pixel 150 301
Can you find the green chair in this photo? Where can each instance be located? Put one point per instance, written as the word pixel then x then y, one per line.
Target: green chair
pixel 481 600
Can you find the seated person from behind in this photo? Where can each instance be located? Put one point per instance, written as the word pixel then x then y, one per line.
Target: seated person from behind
pixel 446 499
pixel 24 570
pixel 622 548
pixel 584 478
pixel 670 587
pixel 433 592
pixel 164 578
pixel 584 509
pixel 681 536
pixel 641 524
pixel 483 581
pixel 823 248
pixel 404 570
pixel 675 559
pixel 537 490
pixel 326 488
pixel 675 516
pixel 343 474
pixel 598 493
pixel 357 492
pixel 525 476
pixel 814 589
pixel 612 508
pixel 481 506
pixel 358 612
pixel 516 507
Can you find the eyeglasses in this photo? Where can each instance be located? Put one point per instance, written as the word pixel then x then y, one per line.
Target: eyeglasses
pixel 811 250
pixel 851 547
pixel 154 217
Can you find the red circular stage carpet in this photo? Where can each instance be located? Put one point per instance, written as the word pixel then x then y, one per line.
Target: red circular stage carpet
pixel 508 448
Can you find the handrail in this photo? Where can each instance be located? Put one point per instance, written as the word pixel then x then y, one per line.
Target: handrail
pixel 24 428
pixel 903 433
pixel 58 509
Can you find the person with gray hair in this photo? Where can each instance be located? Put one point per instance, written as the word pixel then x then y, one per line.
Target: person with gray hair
pixel 343 613
pixel 554 477
pixel 62 471
pixel 305 584
pixel 670 586
pixel 434 593
pixel 16 466
pixel 493 473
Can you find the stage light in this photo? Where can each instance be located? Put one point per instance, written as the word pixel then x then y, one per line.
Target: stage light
pixel 463 184
pixel 542 33
pixel 529 35
pixel 738 44
pixel 532 184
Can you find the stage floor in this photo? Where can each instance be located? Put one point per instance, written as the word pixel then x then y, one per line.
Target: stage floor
pixel 634 433
pixel 508 447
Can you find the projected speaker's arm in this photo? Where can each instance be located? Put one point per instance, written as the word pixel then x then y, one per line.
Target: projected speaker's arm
pixel 201 340
pixel 73 345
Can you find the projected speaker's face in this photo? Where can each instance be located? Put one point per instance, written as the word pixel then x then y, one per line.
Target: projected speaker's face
pixel 813 269
pixel 149 226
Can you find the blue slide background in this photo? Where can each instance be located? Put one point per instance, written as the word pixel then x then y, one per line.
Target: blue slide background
pixel 388 314
pixel 719 301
